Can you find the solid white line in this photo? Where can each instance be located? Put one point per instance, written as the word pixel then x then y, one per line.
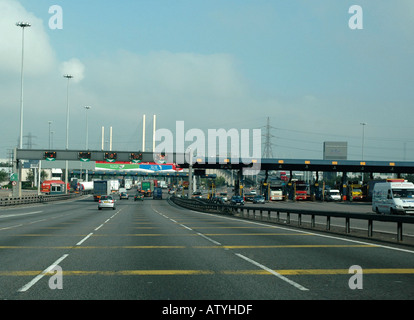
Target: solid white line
pixel 41 275
pixel 11 227
pixel 308 232
pixel 209 239
pixel 19 214
pixel 186 227
pixel 296 285
pixel 84 239
pixel 37 221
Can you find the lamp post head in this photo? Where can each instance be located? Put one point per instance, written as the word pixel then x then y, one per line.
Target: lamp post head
pixel 23 24
pixel 68 76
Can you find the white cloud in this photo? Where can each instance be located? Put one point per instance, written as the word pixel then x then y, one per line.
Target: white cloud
pixel 75 68
pixel 167 82
pixel 39 57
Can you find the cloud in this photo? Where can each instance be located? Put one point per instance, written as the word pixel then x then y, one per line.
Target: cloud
pixel 39 57
pixel 75 68
pixel 167 82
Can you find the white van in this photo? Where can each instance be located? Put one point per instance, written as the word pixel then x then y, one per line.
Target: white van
pixel 332 195
pixel 396 196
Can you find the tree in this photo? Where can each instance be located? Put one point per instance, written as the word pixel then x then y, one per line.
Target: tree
pixel 3 176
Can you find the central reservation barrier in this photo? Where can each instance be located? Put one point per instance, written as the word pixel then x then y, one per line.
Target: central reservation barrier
pixel 274 214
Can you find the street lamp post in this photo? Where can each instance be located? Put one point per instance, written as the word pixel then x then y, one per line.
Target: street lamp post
pixel 18 190
pixel 67 76
pixel 50 122
pixel 87 108
pixel 86 144
pixel 363 138
pixel 23 25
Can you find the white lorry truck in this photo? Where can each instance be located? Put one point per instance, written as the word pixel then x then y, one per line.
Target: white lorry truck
pixel 395 196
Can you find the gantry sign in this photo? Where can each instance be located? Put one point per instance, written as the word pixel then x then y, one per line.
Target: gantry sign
pixel 182 160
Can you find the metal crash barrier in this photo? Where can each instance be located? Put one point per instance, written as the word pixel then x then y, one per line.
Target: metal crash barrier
pixel 29 199
pixel 274 214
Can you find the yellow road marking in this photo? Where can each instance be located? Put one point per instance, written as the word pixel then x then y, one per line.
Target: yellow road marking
pixel 194 247
pixel 293 272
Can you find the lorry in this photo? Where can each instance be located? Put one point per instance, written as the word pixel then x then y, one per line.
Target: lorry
pixel 302 191
pixel 128 183
pixel 395 196
pixel 54 187
pixel 162 184
pixel 101 188
pixel 114 185
pixel 356 191
pixel 276 192
pixel 157 194
pixel 147 187
pixel 85 186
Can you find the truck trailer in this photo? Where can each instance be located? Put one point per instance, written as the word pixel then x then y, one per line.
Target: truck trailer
pixel 101 188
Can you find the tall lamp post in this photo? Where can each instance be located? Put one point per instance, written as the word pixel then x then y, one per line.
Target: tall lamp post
pixel 22 25
pixel 67 76
pixel 50 123
pixel 363 138
pixel 86 144
pixel 18 191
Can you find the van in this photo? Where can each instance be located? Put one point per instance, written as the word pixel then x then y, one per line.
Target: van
pixel 332 195
pixel 395 196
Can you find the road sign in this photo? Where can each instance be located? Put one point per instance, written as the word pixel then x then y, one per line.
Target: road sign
pixel 14 177
pixel 14 183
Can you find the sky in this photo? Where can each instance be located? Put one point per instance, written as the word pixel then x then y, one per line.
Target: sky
pixel 213 64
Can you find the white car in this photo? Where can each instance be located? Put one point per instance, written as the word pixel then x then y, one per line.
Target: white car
pixel 106 202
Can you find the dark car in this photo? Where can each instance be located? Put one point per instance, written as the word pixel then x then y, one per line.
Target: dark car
pixel 237 200
pixel 258 199
pixel 123 195
pixel 139 196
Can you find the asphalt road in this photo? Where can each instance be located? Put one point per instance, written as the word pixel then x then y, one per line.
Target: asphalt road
pixel 153 250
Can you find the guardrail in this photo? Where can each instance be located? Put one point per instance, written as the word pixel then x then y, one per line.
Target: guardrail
pixel 34 198
pixel 265 214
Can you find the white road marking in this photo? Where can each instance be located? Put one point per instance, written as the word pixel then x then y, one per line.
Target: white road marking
pixel 18 214
pixel 308 232
pixel 42 274
pixel 296 285
pixel 84 239
pixel 209 239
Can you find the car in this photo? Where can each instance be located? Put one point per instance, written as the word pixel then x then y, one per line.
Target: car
pixel 197 195
pixel 237 200
pixel 139 196
pixel 223 195
pixel 123 195
pixel 106 202
pixel 253 191
pixel 258 199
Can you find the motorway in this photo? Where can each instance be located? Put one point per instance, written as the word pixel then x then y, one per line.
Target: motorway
pixel 154 250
